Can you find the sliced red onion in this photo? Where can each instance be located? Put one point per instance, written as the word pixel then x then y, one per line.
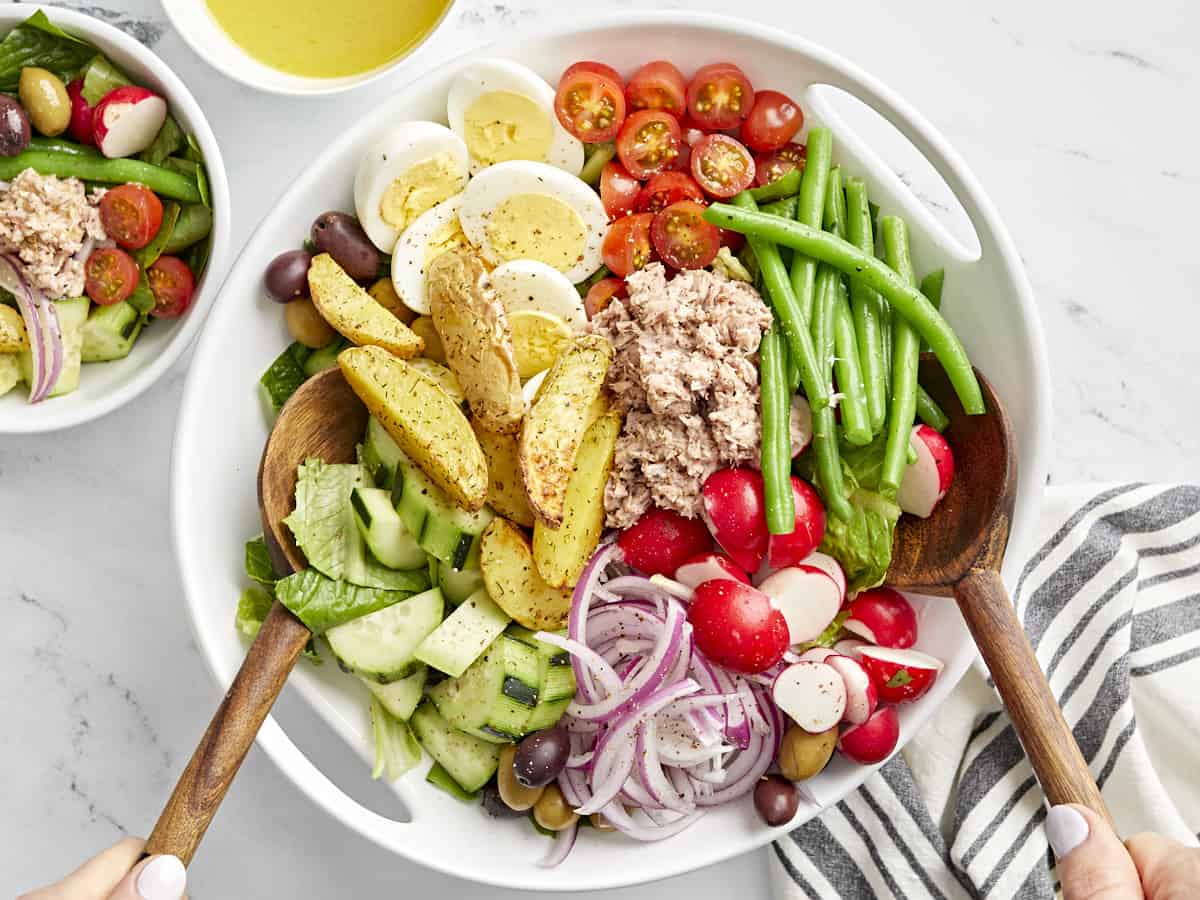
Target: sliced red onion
pixel 52 327
pixel 85 249
pixel 41 337
pixel 650 770
pixel 564 842
pixel 625 823
pixel 673 587
pixel 580 760
pixel 590 662
pixel 589 580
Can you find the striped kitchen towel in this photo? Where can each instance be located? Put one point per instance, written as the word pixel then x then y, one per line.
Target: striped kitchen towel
pixel 1111 602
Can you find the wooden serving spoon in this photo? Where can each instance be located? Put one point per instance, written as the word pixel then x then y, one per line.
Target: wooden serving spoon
pixel 325 419
pixel 957 552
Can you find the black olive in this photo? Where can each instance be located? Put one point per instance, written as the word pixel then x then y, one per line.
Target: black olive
pixel 542 756
pixel 776 800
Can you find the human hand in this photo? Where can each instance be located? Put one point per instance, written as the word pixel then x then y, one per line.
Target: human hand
pixel 116 874
pixel 1093 864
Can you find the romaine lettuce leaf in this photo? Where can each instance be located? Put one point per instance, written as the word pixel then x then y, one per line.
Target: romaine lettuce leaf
pixel 396 747
pixel 284 376
pixel 322 603
pixel 252 610
pixel 258 562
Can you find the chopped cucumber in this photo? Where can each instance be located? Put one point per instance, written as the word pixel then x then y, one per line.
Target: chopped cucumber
pixel 443 780
pixel 10 372
pixel 465 634
pixel 325 358
pixel 556 680
pixel 457 584
pixel 401 697
pixel 383 531
pixel 381 455
pixel 494 698
pixel 447 532
pixel 380 646
pixel 72 315
pixel 469 761
pixel 110 332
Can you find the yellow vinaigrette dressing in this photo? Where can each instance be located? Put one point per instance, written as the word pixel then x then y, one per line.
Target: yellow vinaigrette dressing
pixel 327 38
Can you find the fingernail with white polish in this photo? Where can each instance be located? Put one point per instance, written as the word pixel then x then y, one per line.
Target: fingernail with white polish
pixel 1066 829
pixel 164 878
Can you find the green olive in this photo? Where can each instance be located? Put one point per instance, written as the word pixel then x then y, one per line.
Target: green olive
pixel 552 811
pixel 305 324
pixel 514 794
pixel 802 755
pixel 44 97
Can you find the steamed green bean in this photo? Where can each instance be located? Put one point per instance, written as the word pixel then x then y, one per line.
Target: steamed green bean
pixel 906 352
pixel 810 211
pixel 866 306
pixel 776 450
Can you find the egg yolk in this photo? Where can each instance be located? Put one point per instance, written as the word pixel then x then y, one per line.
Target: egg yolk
pixel 448 236
pixel 419 188
pixel 536 226
pixel 503 125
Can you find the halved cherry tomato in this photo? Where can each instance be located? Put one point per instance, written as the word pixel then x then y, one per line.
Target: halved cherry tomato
pixel 588 65
pixel 618 190
pixel 110 275
pixel 683 162
pixel 774 165
pixel 648 142
pixel 131 214
pixel 773 121
pixel 173 286
pixel 692 133
pixel 722 166
pixel 719 96
pixel 589 105
pixel 682 238
pixel 658 85
pixel 627 246
pixel 666 188
pixel 601 294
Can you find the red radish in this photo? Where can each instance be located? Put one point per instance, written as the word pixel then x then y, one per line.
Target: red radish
pixel 861 696
pixel 801 424
pixel 736 626
pixel 661 540
pixel 829 566
pixel 817 654
pixel 926 481
pixel 709 567
pixel 734 509
pixel 850 647
pixel 790 549
pixel 882 616
pixel 81 114
pixel 812 693
pixel 874 740
pixel 127 119
pixel 900 675
pixel 808 599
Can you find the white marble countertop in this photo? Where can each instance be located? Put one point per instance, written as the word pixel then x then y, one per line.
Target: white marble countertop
pixel 1077 117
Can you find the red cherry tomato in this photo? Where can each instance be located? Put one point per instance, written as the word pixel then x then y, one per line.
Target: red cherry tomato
pixel 773 121
pixel 173 286
pixel 774 165
pixel 681 237
pixel 627 246
pixel 110 275
pixel 601 294
pixel 719 96
pixel 666 188
pixel 662 540
pixel 131 214
pixel 658 85
pixel 722 166
pixel 590 106
pixel 648 142
pixel 588 65
pixel 736 626
pixel 618 190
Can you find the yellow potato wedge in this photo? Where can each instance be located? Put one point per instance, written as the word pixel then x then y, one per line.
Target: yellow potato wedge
pixel 506 491
pixel 561 553
pixel 13 338
pixel 443 376
pixel 423 419
pixel 512 580
pixel 538 339
pixel 556 421
pixel 424 328
pixel 476 338
pixel 385 294
pixel 354 313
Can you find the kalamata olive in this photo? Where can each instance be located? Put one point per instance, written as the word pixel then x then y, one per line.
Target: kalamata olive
pixel 776 800
pixel 14 127
pixel 541 756
pixel 340 235
pixel 494 805
pixel 287 275
pixel 44 97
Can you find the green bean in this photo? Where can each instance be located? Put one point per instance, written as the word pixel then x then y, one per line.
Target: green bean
pixel 793 372
pixel 596 161
pixel 776 449
pixel 825 432
pixel 929 412
pixel 810 211
pixel 109 171
pixel 61 145
pixel 867 306
pixel 786 208
pixel 834 216
pixel 194 224
pixel 780 188
pixel 825 298
pixel 905 299
pixel 906 352
pixel 856 421
pixel 931 287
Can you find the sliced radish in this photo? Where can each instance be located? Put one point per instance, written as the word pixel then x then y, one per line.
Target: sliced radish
pixel 861 696
pixel 661 539
pixel 81 114
pixel 735 512
pixel 709 567
pixel 127 119
pixel 874 740
pixel 829 566
pixel 882 616
pixel 850 647
pixel 926 480
pixel 813 694
pixel 791 549
pixel 801 425
pixel 900 675
pixel 817 654
pixel 808 598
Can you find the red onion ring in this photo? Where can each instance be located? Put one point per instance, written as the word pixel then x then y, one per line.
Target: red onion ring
pixel 564 842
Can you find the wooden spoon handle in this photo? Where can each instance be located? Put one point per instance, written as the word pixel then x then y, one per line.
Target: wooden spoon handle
pixel 1023 687
pixel 203 784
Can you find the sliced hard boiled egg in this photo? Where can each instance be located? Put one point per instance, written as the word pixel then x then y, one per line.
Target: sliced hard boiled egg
pixel 529 284
pixel 433 233
pixel 538 339
pixel 411 168
pixel 529 210
pixel 505 111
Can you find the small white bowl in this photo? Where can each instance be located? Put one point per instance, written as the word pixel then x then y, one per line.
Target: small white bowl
pixel 204 34
pixel 105 386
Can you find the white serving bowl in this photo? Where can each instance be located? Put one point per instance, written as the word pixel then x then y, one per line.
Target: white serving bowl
pixel 222 430
pixel 204 34
pixel 105 386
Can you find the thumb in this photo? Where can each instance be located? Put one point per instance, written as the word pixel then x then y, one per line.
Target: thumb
pixel 156 878
pixel 1092 862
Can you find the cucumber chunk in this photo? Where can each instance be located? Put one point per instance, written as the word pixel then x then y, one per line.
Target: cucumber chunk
pixel 445 531
pixel 458 584
pixel 495 696
pixel 556 680
pixel 383 531
pixel 381 455
pixel 401 697
pixel 466 633
pixel 381 646
pixel 72 315
pixel 110 332
pixel 470 761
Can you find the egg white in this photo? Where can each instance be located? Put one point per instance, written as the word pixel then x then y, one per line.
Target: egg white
pixel 408 254
pixel 530 284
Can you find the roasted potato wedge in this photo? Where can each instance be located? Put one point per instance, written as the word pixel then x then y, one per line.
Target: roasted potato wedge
pixel 475 335
pixel 423 328
pixel 556 421
pixel 354 313
pixel 385 293
pixel 13 338
pixel 512 579
pixel 561 553
pixel 423 419
pixel 443 376
pixel 506 491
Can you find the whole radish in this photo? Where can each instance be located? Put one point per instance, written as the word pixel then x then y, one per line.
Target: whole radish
pixel 874 740
pixel 791 549
pixel 736 626
pixel 81 114
pixel 882 616
pixel 662 540
pixel 735 511
pixel 926 481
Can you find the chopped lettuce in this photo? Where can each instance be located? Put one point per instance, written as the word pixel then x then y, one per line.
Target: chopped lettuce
pixel 284 376
pixel 396 747
pixel 169 139
pixel 252 610
pixel 831 635
pixel 100 77
pixel 148 255
pixel 322 603
pixel 39 42
pixel 258 562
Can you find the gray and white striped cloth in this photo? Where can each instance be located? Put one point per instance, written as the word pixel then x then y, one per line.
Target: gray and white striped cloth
pixel 1111 602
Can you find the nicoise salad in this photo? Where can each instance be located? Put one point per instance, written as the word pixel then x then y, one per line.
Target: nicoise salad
pixel 641 368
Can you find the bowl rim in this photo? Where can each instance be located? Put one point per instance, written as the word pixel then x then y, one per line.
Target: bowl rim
pixel 178 95
pixel 308 777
